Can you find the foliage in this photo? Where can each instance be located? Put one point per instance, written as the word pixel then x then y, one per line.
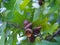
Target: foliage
pixel 13 13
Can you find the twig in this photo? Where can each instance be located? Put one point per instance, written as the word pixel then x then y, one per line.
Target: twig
pixel 55 34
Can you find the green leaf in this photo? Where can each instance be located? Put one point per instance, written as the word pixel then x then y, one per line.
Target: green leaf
pixel 24 4
pixel 10 4
pixel 57 38
pixel 18 18
pixel 10 41
pixel 14 39
pixel 2 28
pixel 44 42
pixel 53 28
pixel 53 9
pixel 9 15
pixel 57 2
pixel 16 6
pixel 36 14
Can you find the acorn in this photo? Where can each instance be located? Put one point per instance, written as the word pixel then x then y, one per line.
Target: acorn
pixel 28 26
pixel 32 38
pixel 29 32
pixel 26 22
pixel 36 30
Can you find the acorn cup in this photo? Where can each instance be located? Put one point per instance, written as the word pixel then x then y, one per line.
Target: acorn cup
pixel 36 30
pixel 29 32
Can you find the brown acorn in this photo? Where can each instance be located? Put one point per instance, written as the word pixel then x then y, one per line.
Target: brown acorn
pixel 32 38
pixel 28 26
pixel 29 32
pixel 26 22
pixel 37 30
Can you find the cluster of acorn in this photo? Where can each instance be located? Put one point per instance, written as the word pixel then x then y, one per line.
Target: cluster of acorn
pixel 29 32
